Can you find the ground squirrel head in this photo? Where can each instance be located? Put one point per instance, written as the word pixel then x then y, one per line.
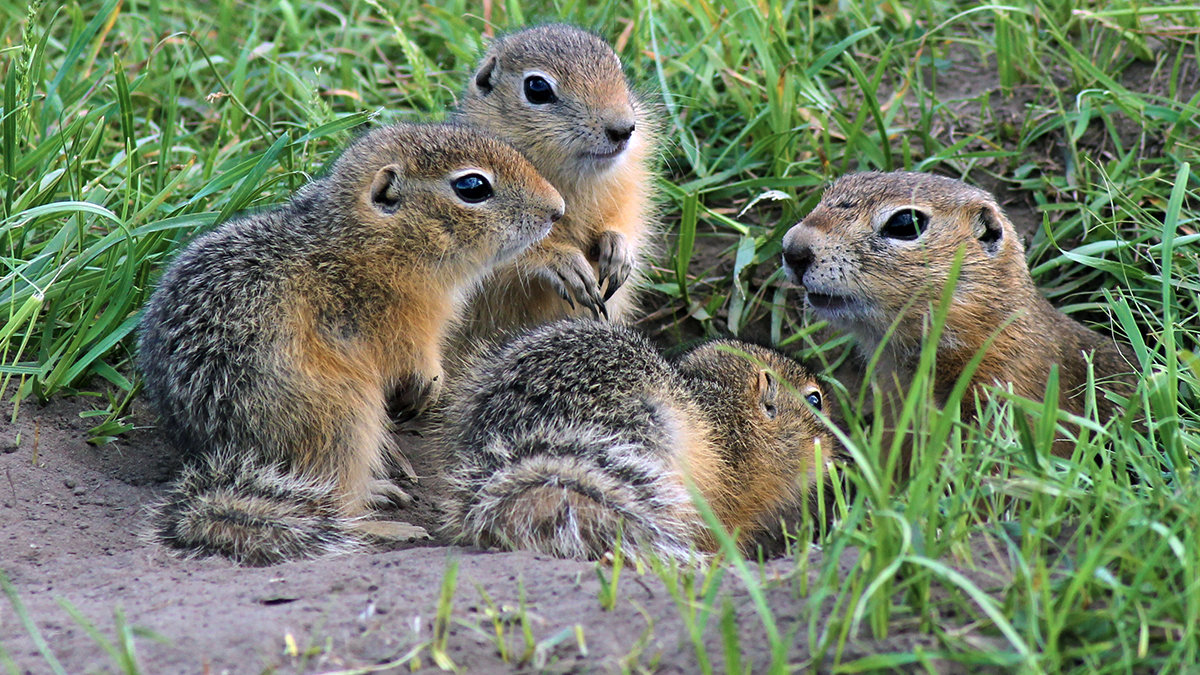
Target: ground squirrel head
pixel 763 406
pixel 558 94
pixel 447 193
pixel 881 246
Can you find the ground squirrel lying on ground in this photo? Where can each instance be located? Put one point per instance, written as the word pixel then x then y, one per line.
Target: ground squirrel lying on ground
pixel 558 94
pixel 271 343
pixel 579 430
pixel 878 249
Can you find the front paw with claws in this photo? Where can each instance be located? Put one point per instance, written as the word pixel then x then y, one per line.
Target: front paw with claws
pixel 614 259
pixel 390 531
pixel 571 276
pixel 413 397
pixel 382 493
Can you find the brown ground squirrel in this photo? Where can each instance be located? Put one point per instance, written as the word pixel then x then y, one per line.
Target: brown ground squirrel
pixel 270 343
pixel 878 249
pixel 579 429
pixel 558 95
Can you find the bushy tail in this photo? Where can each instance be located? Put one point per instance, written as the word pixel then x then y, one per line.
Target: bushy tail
pixel 253 512
pixel 570 498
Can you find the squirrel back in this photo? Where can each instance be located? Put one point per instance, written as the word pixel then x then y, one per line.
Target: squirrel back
pixel 579 432
pixel 271 344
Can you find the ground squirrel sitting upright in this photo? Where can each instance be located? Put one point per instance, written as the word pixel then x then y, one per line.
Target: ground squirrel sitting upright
pixel 579 430
pixel 271 343
pixel 879 248
pixel 558 94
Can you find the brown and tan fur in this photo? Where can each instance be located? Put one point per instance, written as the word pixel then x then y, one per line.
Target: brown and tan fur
pixel 270 345
pixel 578 432
pixel 864 280
pixel 592 261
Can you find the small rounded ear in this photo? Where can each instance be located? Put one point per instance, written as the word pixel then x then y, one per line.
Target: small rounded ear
pixel 386 188
pixel 483 79
pixel 988 228
pixel 768 392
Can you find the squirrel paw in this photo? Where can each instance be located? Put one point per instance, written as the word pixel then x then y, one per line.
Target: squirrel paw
pixel 398 466
pixel 383 493
pixel 390 530
pixel 614 258
pixel 572 277
pixel 414 397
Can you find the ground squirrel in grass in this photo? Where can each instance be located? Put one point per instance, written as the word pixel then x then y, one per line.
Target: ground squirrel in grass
pixel 579 432
pixel 558 95
pixel 271 343
pixel 878 250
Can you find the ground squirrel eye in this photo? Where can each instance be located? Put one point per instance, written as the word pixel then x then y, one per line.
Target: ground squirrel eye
pixel 814 399
pixel 472 188
pixel 905 225
pixel 538 91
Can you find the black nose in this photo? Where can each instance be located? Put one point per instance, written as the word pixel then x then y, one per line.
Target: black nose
pixel 620 131
pixel 555 215
pixel 797 259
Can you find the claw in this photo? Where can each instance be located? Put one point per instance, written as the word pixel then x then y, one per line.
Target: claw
pixel 562 293
pixel 597 302
pixel 611 286
pixel 587 302
pixel 614 264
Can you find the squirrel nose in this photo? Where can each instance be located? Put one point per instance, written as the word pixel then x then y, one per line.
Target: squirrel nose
pixel 621 131
pixel 797 261
pixel 797 254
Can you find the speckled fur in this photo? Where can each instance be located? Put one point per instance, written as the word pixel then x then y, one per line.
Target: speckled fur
pixel 576 430
pixel 271 343
pixel 837 250
pixel 609 224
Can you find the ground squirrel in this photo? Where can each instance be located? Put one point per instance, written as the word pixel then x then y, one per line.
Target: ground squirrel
pixel 271 343
pixel 579 430
pixel 558 94
pixel 878 250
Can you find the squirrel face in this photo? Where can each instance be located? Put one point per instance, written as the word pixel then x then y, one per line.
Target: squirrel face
pixel 881 246
pixel 558 94
pixel 764 404
pixel 447 193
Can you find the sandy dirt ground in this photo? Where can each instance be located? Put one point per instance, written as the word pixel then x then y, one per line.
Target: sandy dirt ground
pixel 70 519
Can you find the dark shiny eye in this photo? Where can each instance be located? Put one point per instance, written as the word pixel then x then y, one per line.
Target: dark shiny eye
pixel 538 91
pixel 814 399
pixel 905 225
pixel 472 188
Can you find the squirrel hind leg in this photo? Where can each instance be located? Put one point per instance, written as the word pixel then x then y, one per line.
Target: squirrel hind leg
pixel 560 520
pixel 253 513
pixel 568 508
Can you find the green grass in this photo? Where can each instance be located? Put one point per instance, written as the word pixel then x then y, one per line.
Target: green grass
pixel 129 127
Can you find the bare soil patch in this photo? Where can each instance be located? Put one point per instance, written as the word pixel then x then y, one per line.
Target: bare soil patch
pixel 70 518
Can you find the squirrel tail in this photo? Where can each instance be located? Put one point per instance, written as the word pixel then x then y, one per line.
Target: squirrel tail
pixel 571 497
pixel 238 506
